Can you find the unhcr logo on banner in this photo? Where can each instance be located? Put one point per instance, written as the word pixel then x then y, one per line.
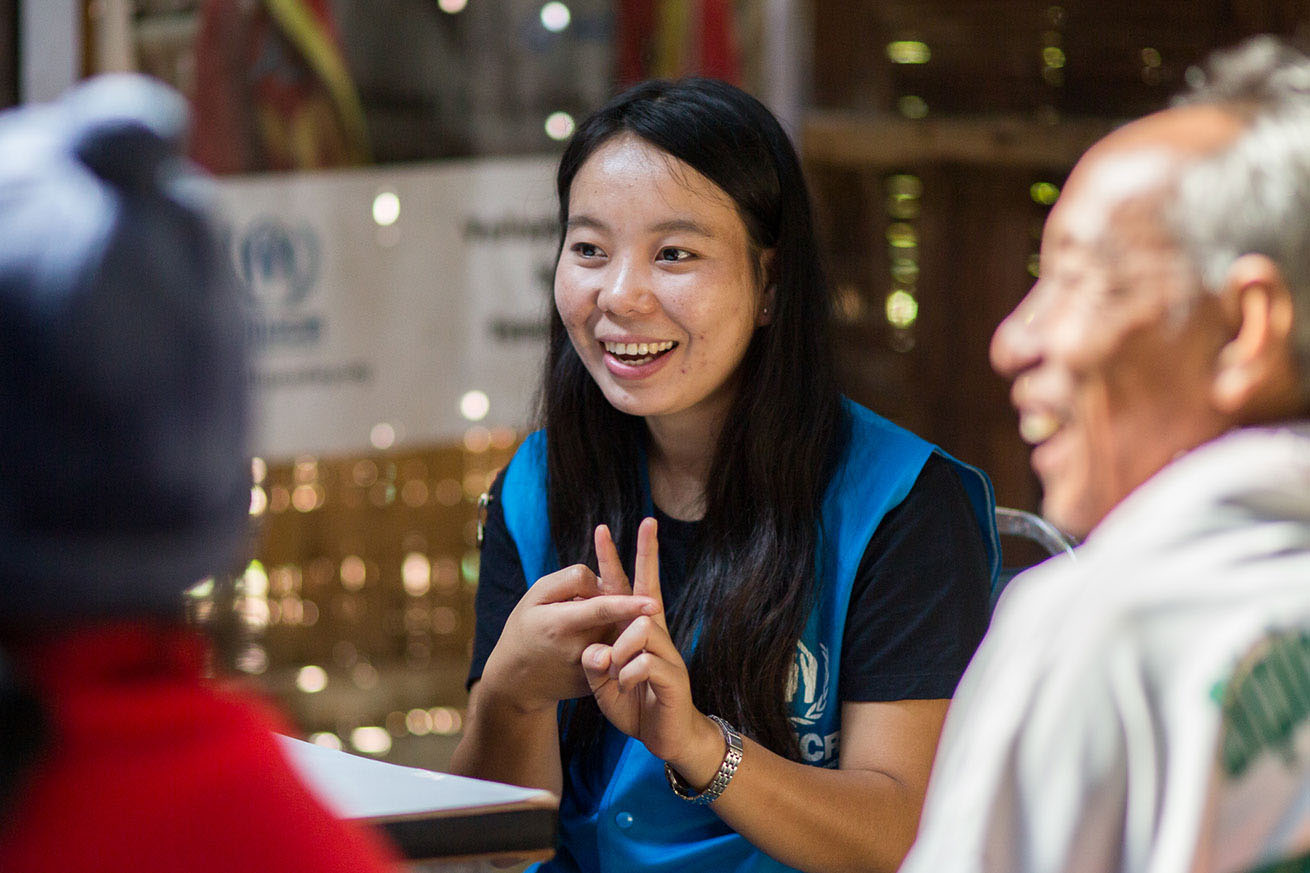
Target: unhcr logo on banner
pixel 279 265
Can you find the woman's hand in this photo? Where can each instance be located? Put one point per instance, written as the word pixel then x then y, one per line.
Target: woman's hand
pixel 536 662
pixel 640 681
pixel 511 734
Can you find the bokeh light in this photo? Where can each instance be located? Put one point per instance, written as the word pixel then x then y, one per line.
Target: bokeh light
pixel 908 51
pixel 386 208
pixel 311 679
pixel 559 126
pixel 902 309
pixel 555 16
pixel 474 405
pixel 371 740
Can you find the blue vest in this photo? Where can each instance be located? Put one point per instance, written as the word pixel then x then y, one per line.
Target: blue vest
pixel 621 815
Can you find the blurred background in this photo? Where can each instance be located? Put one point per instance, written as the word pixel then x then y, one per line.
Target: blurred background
pixel 385 180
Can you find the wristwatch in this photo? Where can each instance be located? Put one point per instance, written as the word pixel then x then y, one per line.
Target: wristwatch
pixel 731 760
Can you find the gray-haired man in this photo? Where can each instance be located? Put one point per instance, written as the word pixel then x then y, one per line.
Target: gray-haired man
pixel 1143 708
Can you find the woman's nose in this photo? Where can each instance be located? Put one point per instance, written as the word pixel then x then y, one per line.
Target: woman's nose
pixel 627 291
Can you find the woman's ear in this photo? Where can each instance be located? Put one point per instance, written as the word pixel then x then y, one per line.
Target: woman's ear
pixel 767 310
pixel 768 299
pixel 1255 374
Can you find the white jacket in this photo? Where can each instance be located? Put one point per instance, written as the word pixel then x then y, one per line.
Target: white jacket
pixel 1143 707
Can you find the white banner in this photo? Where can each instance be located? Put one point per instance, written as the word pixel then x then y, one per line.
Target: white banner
pixel 384 296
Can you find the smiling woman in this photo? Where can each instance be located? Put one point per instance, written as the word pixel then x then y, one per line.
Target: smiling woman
pixel 660 290
pixel 767 593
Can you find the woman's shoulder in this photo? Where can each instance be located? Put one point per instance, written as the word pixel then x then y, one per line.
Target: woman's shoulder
pixel 523 489
pixel 884 458
pixel 534 443
pixel 868 425
pixel 527 468
pixel 874 445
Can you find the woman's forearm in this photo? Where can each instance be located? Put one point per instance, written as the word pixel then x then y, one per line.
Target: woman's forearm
pixel 820 820
pixel 863 816
pixel 504 743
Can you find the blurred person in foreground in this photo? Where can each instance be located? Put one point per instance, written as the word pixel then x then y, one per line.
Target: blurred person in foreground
pixel 1143 706
pixel 125 480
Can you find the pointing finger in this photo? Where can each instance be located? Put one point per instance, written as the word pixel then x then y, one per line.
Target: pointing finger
pixel 612 578
pixel 646 578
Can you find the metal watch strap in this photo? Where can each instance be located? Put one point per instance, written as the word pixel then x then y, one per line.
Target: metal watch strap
pixel 731 760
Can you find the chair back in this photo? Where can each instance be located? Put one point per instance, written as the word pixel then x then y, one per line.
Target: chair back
pixel 1028 526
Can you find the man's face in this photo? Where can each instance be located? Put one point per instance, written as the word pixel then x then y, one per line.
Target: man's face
pixel 1112 350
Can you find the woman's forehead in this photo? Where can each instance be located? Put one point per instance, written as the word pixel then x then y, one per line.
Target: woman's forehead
pixel 627 169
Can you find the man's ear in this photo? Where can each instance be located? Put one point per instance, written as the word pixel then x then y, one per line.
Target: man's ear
pixel 1255 374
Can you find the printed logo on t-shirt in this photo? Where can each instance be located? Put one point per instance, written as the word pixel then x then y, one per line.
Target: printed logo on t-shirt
pixel 807 694
pixel 807 685
pixel 1266 701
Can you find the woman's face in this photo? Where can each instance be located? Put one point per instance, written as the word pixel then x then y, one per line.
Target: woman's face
pixel 657 284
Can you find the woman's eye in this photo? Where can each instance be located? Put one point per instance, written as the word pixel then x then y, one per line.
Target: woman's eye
pixel 585 250
pixel 674 255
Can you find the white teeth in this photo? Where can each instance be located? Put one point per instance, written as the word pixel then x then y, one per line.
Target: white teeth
pixel 633 349
pixel 1037 427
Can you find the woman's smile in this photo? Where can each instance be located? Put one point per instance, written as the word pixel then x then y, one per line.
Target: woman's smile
pixel 636 354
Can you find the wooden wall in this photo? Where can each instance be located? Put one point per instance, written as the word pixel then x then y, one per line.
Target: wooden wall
pixel 1011 93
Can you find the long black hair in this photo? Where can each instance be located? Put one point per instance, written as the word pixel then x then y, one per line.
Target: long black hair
pixel 751 583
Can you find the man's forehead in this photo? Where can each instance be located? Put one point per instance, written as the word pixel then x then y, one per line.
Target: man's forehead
pixel 1104 186
pixel 1136 164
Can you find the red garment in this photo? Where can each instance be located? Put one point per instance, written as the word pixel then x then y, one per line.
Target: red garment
pixel 149 768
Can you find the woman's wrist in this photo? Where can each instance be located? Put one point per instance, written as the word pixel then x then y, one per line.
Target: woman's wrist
pixel 501 693
pixel 699 760
pixel 514 705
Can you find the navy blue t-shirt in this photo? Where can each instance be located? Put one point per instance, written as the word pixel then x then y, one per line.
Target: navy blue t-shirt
pixel 918 609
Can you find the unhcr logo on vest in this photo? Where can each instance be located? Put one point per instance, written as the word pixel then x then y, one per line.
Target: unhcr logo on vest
pixel 807 695
pixel 279 265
